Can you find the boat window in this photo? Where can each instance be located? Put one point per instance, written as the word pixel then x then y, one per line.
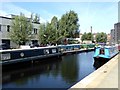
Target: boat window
pixel 54 51
pixel 102 51
pixel 46 51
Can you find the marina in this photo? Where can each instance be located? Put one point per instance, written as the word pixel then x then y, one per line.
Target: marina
pixel 63 65
pixel 59 45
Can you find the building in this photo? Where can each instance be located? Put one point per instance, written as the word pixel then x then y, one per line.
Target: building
pixel 115 34
pixel 94 36
pixel 5 28
pixel 80 35
pixel 108 38
pixel 112 33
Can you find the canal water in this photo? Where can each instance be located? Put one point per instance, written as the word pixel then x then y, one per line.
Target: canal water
pixel 61 72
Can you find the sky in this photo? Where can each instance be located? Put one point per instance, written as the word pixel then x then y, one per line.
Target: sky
pixel 100 15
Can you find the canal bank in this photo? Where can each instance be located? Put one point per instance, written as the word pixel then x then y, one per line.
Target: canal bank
pixel 104 77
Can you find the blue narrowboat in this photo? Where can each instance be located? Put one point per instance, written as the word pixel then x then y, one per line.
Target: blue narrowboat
pixel 104 54
pixel 69 48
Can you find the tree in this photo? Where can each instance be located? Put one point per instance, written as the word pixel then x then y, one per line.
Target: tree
pixel 21 30
pixel 77 33
pixel 46 34
pixel 84 37
pixel 58 30
pixel 50 31
pixel 68 24
pixel 87 36
pixel 36 19
pixel 101 37
pixel 54 29
pixel 42 35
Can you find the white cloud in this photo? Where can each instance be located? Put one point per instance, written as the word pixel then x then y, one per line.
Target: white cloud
pixel 8 8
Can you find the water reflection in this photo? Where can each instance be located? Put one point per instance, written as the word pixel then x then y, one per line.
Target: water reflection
pixel 28 69
pixel 85 63
pixel 69 69
pixel 53 73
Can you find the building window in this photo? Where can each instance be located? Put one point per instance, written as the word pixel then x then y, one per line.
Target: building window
pixel 8 28
pixel 6 43
pixel 0 27
pixel 35 31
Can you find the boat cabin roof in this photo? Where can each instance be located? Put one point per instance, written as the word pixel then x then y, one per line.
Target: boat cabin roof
pixel 106 47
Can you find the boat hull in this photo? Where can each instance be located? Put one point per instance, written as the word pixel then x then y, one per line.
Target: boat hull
pixel 99 61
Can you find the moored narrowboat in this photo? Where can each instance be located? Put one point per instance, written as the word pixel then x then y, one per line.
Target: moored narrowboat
pixel 69 48
pixel 104 54
pixel 28 54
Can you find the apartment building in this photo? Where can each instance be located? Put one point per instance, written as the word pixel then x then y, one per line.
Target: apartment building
pixel 5 28
pixel 117 33
pixel 112 33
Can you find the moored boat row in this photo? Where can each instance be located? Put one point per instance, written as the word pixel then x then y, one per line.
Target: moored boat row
pixel 30 54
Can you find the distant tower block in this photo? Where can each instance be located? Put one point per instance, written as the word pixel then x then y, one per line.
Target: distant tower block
pixel 91 29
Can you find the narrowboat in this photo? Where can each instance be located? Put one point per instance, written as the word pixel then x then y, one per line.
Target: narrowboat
pixel 104 54
pixel 28 54
pixel 70 48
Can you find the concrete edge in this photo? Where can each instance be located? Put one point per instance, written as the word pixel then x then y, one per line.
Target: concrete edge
pixel 95 78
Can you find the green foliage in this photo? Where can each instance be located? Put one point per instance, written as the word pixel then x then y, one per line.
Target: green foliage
pixel 36 19
pixel 57 30
pixel 49 33
pixel 87 36
pixel 21 30
pixel 68 24
pixel 101 37
pixel 54 30
pixel 73 42
pixel 84 36
pixel 42 35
